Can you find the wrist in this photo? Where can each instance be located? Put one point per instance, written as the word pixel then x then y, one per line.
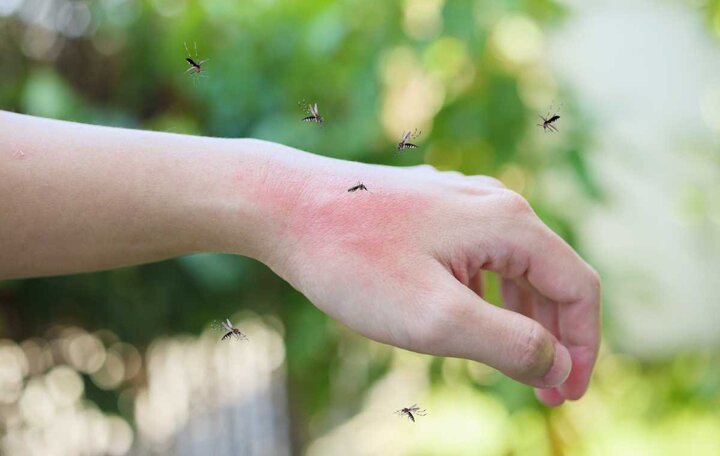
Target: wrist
pixel 255 189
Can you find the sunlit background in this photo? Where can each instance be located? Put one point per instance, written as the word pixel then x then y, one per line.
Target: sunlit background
pixel 126 361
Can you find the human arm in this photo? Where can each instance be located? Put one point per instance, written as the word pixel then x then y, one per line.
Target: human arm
pixel 399 263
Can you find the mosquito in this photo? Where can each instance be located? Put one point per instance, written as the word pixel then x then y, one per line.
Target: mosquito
pixel 359 186
pixel 547 122
pixel 406 137
pixel 195 65
pixel 230 330
pixel 312 110
pixel 411 412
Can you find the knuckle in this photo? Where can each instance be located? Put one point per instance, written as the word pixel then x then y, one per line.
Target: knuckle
pixel 491 181
pixel 534 351
pixel 515 204
pixel 481 185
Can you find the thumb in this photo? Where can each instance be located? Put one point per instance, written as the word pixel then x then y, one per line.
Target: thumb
pixel 508 341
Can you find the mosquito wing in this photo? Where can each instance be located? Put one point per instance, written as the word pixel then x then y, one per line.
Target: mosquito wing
pixel 219 326
pixel 314 110
pixel 405 136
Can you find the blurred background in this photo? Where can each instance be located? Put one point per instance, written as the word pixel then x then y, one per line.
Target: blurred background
pixel 126 361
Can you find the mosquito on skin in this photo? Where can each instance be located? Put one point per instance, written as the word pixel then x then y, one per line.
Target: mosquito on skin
pixel 406 137
pixel 314 116
pixel 359 186
pixel 411 412
pixel 548 121
pixel 196 64
pixel 230 330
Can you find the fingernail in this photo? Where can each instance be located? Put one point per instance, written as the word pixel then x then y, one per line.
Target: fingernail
pixel 562 363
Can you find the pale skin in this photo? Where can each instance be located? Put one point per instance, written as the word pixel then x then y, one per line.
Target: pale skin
pixel 400 263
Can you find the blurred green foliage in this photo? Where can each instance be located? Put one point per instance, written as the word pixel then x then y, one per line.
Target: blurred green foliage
pixel 127 70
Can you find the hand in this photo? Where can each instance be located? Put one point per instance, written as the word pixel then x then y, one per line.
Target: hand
pixel 402 264
pixel 399 263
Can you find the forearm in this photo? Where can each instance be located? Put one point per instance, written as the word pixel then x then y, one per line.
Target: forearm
pixel 399 260
pixel 78 198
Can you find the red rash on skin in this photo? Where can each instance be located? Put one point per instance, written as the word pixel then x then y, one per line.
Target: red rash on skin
pixel 374 227
pixel 371 225
pixel 323 217
pixel 313 210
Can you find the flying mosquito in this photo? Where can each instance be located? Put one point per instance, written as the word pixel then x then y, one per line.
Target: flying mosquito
pixel 311 109
pixel 359 186
pixel 548 121
pixel 406 137
pixel 411 412
pixel 229 330
pixel 195 65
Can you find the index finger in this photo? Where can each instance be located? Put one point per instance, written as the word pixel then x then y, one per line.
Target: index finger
pixel 558 273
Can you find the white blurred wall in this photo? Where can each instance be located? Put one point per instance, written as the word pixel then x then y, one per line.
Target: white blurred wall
pixel 648 72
